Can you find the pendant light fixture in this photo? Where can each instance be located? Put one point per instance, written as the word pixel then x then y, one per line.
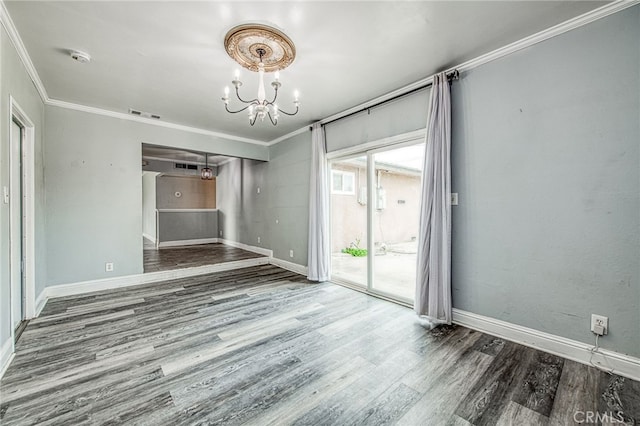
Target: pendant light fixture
pixel 206 173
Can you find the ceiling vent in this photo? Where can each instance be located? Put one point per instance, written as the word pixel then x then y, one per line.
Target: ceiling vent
pixel 143 114
pixel 185 166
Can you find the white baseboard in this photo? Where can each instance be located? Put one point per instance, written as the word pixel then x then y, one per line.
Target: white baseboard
pixel 41 301
pixel 138 279
pixel 623 365
pixel 188 242
pixel 149 237
pixel 289 266
pixel 72 289
pixel 254 249
pixel 6 355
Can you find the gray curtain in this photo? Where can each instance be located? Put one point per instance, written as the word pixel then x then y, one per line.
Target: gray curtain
pixel 433 278
pixel 319 238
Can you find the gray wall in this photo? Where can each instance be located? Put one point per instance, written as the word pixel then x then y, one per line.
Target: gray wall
pixel 195 193
pixel 94 190
pixel 185 225
pixel 242 211
pixel 14 81
pixel 94 194
pixel 149 203
pixel 244 214
pixel 402 115
pixel 288 180
pixel 545 160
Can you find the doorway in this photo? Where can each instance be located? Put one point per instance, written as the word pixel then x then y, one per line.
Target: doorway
pixel 18 309
pixel 20 196
pixel 375 205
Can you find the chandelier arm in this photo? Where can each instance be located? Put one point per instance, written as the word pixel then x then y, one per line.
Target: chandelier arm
pixel 235 112
pixel 242 100
pixel 289 113
pixel 270 118
pixel 275 96
pixel 252 122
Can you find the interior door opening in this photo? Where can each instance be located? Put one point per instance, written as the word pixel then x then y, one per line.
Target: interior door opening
pixel 17 232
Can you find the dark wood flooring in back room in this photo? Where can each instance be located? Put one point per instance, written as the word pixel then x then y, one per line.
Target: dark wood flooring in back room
pixel 169 258
pixel 261 346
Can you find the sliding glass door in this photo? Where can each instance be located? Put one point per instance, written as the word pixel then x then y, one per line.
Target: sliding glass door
pixel 349 220
pixel 397 179
pixel 375 201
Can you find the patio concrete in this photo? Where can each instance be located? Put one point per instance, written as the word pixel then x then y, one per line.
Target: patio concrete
pixel 394 271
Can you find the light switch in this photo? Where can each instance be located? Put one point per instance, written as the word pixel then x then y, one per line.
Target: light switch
pixel 454 198
pixel 5 192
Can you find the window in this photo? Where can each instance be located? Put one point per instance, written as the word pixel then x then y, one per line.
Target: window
pixel 343 182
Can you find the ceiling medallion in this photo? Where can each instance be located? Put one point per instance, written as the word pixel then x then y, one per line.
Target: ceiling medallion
pixel 244 42
pixel 261 49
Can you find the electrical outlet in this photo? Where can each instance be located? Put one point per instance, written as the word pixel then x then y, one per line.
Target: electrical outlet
pixel 290 253
pixel 598 321
pixel 258 190
pixel 108 267
pixel 277 221
pixel 221 233
pixel 258 240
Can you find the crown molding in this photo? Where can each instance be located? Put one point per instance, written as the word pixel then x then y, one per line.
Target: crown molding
pixel 151 121
pixel 16 40
pixel 289 135
pixel 566 26
pixel 571 24
pixel 579 21
pixel 12 32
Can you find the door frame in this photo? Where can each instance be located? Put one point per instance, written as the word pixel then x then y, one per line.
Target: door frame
pixel 27 245
pixel 368 150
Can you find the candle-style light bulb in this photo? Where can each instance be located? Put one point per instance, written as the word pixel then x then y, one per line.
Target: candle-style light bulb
pixel 226 91
pixel 296 95
pixel 277 75
pixel 237 74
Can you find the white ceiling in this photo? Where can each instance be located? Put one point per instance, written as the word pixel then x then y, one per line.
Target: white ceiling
pixel 168 58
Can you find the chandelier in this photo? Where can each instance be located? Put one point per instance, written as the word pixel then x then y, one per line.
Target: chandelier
pixel 261 49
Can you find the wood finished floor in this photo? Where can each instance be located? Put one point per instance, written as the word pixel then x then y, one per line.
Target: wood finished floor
pixel 169 258
pixel 263 346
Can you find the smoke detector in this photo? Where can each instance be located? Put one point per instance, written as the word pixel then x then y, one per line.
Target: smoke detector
pixel 81 57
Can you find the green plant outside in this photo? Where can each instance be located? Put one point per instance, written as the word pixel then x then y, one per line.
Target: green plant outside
pixel 357 252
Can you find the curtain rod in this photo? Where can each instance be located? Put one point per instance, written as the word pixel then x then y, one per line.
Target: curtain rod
pixel 453 75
